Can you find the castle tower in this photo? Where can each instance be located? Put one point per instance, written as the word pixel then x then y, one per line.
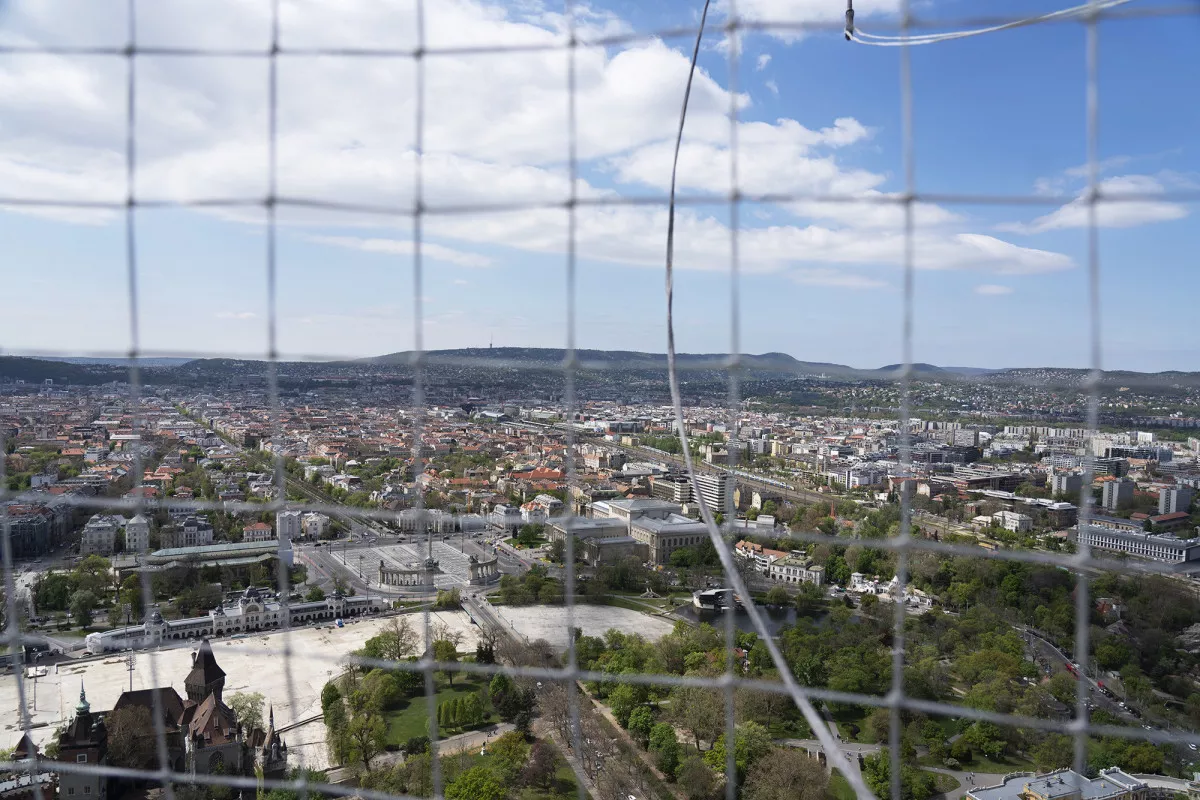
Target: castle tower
pixel 206 676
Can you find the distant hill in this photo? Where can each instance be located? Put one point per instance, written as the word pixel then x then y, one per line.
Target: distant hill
pixel 38 370
pixel 124 362
pixel 82 370
pixel 919 370
pixel 601 359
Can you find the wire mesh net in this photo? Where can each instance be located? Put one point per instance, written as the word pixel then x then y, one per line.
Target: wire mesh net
pixel 568 714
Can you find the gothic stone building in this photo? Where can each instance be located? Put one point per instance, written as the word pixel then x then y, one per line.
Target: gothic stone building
pixel 203 734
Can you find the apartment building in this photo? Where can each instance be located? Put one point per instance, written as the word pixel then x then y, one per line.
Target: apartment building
pixel 1115 493
pixel 1175 500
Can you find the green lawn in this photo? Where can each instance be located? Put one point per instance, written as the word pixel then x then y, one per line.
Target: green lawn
pixel 839 788
pixel 538 542
pixel 409 719
pixel 647 606
pixel 944 783
pixel 981 763
pixel 857 716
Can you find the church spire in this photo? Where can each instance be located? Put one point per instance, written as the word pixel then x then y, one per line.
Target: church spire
pixel 82 707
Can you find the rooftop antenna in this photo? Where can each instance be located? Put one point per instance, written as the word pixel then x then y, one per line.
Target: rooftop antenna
pixel 849 20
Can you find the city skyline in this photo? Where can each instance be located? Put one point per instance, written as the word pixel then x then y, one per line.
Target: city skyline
pixel 996 285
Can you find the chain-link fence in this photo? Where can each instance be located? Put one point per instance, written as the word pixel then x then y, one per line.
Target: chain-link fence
pixel 581 736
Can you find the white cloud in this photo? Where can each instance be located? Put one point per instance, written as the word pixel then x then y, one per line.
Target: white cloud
pixel 403 247
pixel 495 133
pixel 763 60
pixel 772 87
pixel 801 11
pixel 1109 213
pixel 236 315
pixel 822 276
pixel 992 289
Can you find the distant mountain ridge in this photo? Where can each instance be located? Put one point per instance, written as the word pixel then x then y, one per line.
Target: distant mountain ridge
pixel 83 370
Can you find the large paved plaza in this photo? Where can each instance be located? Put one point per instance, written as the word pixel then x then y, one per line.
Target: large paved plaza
pixel 252 664
pixel 550 622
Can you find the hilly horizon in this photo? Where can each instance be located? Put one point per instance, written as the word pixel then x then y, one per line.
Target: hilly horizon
pixel 73 369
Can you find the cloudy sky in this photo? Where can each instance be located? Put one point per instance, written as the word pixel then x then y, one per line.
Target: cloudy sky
pixel 996 285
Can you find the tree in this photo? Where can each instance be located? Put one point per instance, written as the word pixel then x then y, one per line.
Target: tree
pixel 248 706
pixel 540 768
pixel 777 596
pixel 445 652
pixel 641 721
pixel 665 747
pixel 384 687
pixel 699 711
pixel 477 783
pixel 550 593
pixel 509 753
pixel 786 775
pixel 471 711
pixel 131 737
pixel 82 603
pixel 914 784
pixel 751 742
pixel 366 732
pixel 514 703
pixel 622 700
pixel 529 535
pixel 696 779
pixel 1056 750
pixel 394 642
pixel 315 594
pixel 329 696
pixel 310 775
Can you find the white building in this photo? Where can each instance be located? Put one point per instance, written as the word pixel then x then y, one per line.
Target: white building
pixel 716 490
pixel 797 569
pixel 1012 521
pixel 508 517
pixel 252 612
pixel 258 532
pixel 1161 547
pixel 288 524
pixel 192 532
pixel 314 525
pixel 99 536
pixel 137 535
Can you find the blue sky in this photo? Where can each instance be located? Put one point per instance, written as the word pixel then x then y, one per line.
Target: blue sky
pixel 1001 114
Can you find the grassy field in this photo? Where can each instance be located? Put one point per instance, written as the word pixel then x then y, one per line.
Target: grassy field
pixel 538 542
pixel 857 716
pixel 981 763
pixel 839 788
pixel 409 720
pixel 944 783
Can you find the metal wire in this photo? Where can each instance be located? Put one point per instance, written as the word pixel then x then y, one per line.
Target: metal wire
pixel 424 365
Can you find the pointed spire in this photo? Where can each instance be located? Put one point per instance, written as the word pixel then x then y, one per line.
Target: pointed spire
pixel 82 706
pixel 271 714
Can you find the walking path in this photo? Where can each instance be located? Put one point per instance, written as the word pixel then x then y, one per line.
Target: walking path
pixel 471 740
pixel 967 779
